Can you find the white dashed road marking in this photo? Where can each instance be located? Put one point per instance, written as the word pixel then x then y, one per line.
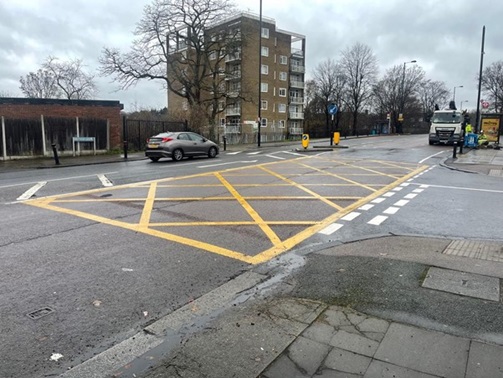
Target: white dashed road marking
pixel 378 200
pixel 105 181
pixel 350 216
pixel 377 220
pixel 391 210
pixel 331 229
pixel 410 196
pixel 30 192
pixel 366 207
pixel 401 203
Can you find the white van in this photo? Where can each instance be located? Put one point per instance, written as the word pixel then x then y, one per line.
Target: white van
pixel 446 127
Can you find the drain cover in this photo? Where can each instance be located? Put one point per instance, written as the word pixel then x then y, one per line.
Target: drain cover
pixel 37 314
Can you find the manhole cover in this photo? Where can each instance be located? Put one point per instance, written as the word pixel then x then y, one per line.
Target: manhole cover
pixel 37 314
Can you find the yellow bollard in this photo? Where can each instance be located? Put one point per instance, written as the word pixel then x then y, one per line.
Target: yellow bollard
pixel 305 140
pixel 337 138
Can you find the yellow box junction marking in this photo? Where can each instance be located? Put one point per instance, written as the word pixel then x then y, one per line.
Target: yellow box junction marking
pixel 146 226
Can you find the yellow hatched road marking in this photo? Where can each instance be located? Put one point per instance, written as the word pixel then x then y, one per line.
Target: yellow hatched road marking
pixel 145 226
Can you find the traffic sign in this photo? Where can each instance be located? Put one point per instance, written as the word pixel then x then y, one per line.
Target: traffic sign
pixel 485 104
pixel 332 109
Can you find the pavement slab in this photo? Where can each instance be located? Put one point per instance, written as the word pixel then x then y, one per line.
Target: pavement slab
pixel 463 283
pixel 485 360
pixel 424 351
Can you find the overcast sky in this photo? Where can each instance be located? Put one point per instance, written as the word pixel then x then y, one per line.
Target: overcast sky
pixel 444 36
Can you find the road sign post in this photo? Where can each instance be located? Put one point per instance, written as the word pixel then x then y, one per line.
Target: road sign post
pixel 332 110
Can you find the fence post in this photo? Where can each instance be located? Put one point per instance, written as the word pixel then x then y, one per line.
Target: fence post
pixel 124 136
pixel 55 153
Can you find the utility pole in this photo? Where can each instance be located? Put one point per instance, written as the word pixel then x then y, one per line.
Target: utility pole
pixel 477 117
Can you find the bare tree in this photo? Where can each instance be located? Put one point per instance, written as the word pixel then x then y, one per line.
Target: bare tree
pixel 359 66
pixel 395 92
pixel 70 78
pixel 432 93
pixel 40 84
pixel 329 85
pixel 492 84
pixel 173 46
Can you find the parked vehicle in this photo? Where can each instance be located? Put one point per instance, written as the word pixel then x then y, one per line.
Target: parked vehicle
pixel 177 145
pixel 446 127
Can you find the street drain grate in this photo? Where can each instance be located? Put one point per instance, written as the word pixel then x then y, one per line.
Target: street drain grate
pixel 37 314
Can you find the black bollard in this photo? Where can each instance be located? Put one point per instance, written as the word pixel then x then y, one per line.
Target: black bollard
pixel 461 146
pixel 454 150
pixel 225 143
pixel 125 149
pixel 55 153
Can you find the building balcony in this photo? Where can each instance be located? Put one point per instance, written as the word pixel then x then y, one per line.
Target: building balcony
pixel 296 115
pixel 233 111
pixel 234 75
pixel 233 57
pixel 297 53
pixel 232 129
pixel 296 84
pixel 295 130
pixel 296 100
pixel 297 68
pixel 233 93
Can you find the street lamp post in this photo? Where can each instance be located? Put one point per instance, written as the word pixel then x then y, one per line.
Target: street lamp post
pixel 402 104
pixel 454 93
pixel 259 119
pixel 461 104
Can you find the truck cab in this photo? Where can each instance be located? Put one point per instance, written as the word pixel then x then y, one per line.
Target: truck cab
pixel 446 127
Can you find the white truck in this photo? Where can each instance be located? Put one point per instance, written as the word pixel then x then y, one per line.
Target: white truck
pixel 446 127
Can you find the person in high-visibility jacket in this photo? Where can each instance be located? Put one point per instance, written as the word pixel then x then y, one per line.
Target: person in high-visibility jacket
pixel 468 128
pixel 483 139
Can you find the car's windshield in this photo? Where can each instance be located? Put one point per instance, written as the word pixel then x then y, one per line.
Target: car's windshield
pixel 446 117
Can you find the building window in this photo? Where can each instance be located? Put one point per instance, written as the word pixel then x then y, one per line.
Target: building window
pixel 264 105
pixel 265 69
pixel 265 51
pixel 283 59
pixel 265 33
pixel 263 122
pixel 282 92
pixel 222 121
pixel 213 55
pixel 282 76
pixel 282 108
pixel 282 124
pixel 264 87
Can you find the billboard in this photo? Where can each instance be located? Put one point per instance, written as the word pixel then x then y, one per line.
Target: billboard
pixel 491 127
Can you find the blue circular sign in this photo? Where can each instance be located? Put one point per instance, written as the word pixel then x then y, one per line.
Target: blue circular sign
pixel 332 109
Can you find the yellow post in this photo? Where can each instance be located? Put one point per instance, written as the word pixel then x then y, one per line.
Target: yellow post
pixel 305 140
pixel 337 138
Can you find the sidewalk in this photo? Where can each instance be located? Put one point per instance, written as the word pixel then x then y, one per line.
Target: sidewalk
pixel 396 306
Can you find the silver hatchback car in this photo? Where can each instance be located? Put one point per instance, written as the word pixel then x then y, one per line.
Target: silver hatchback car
pixel 177 145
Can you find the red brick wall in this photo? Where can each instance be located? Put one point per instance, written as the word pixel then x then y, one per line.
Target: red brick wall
pixel 27 111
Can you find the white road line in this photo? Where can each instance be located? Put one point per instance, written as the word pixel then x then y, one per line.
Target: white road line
pixel 60 179
pixel 275 157
pixel 377 220
pixel 391 210
pixel 410 196
pixel 388 194
pixel 293 153
pixel 401 203
pixel 424 186
pixel 404 184
pixel 378 200
pixel 233 153
pixel 104 180
pixel 232 162
pixel 366 207
pixel 417 190
pixel 254 153
pixel 350 216
pixel 397 189
pixel 426 158
pixel 30 192
pixel 331 229
pixel 463 188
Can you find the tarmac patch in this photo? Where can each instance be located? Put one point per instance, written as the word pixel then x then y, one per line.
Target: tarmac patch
pixel 462 283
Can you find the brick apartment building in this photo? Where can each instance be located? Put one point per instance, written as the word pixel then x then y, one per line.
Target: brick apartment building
pixel 281 80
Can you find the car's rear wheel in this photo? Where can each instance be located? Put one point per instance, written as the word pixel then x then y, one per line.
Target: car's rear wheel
pixel 177 155
pixel 154 159
pixel 212 152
